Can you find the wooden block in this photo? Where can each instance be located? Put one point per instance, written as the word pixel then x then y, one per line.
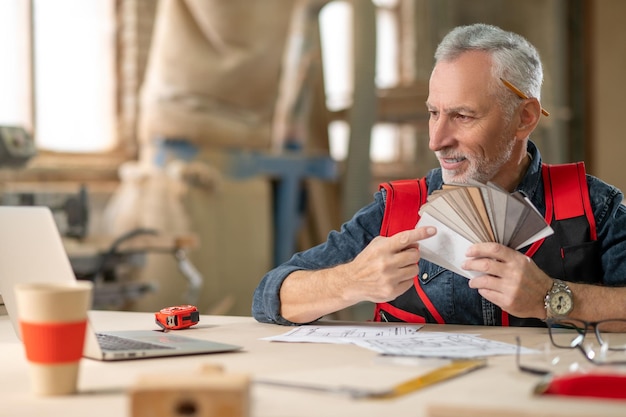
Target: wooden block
pixel 206 394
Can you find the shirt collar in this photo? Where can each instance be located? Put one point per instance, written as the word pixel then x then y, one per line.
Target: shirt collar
pixel 530 183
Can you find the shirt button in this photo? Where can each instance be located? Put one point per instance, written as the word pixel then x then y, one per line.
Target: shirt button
pixel 424 276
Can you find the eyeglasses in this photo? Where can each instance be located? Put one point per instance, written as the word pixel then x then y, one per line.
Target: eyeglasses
pixel 567 333
pixel 570 333
pixel 521 95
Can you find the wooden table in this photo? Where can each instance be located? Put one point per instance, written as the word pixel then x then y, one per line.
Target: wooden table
pixel 497 390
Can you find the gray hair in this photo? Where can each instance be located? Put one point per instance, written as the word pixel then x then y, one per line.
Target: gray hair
pixel 514 58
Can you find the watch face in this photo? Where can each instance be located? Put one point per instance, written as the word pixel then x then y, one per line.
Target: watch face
pixel 561 303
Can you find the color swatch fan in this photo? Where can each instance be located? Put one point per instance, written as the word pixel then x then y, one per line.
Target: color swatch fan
pixel 465 214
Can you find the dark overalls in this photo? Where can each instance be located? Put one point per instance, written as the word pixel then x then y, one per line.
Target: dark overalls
pixel 570 254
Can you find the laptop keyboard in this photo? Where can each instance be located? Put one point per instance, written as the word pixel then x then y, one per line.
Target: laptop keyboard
pixel 115 343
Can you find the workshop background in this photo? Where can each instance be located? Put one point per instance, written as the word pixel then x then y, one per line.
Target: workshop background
pixel 187 146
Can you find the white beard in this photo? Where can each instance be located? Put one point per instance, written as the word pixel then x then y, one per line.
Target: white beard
pixel 482 170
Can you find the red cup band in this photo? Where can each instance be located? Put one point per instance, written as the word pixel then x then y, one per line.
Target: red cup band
pixel 52 343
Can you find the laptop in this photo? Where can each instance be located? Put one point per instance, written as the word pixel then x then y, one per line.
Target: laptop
pixel 31 249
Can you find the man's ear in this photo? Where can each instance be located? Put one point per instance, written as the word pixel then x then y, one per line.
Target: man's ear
pixel 529 115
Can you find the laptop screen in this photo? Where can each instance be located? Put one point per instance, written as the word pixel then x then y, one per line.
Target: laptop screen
pixel 31 250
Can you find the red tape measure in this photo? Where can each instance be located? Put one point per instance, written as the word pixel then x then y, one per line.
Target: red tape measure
pixel 177 317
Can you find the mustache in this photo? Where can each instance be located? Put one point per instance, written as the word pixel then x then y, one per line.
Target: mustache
pixel 450 155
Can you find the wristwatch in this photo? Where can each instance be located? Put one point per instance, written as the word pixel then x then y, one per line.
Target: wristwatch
pixel 559 301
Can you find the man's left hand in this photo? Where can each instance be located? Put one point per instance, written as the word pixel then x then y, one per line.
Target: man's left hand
pixel 512 281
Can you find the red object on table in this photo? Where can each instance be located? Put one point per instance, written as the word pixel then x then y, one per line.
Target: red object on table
pixel 177 317
pixel 599 385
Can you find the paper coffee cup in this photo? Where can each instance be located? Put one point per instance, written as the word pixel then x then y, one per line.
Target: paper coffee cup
pixel 53 319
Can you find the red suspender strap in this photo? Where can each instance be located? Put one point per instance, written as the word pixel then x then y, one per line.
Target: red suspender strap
pixel 391 223
pixel 584 190
pixel 400 211
pixel 401 198
pixel 429 305
pixel 569 192
pixel 400 314
pixel 565 181
pixel 505 318
pixel 566 196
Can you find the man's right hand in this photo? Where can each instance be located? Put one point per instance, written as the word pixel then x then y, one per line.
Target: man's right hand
pixel 381 272
pixel 386 267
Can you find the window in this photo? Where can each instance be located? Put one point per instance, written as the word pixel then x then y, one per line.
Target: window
pixel 15 72
pixel 74 73
pixel 336 37
pixel 58 79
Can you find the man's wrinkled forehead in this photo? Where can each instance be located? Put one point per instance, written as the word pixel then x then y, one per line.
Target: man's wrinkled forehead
pixel 454 83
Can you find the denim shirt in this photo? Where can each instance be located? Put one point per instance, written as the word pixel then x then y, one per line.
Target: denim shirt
pixel 455 300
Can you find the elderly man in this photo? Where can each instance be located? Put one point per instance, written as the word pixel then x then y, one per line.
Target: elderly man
pixel 484 103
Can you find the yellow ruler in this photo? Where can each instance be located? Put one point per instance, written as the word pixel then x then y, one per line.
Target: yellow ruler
pixel 453 369
pixel 442 373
